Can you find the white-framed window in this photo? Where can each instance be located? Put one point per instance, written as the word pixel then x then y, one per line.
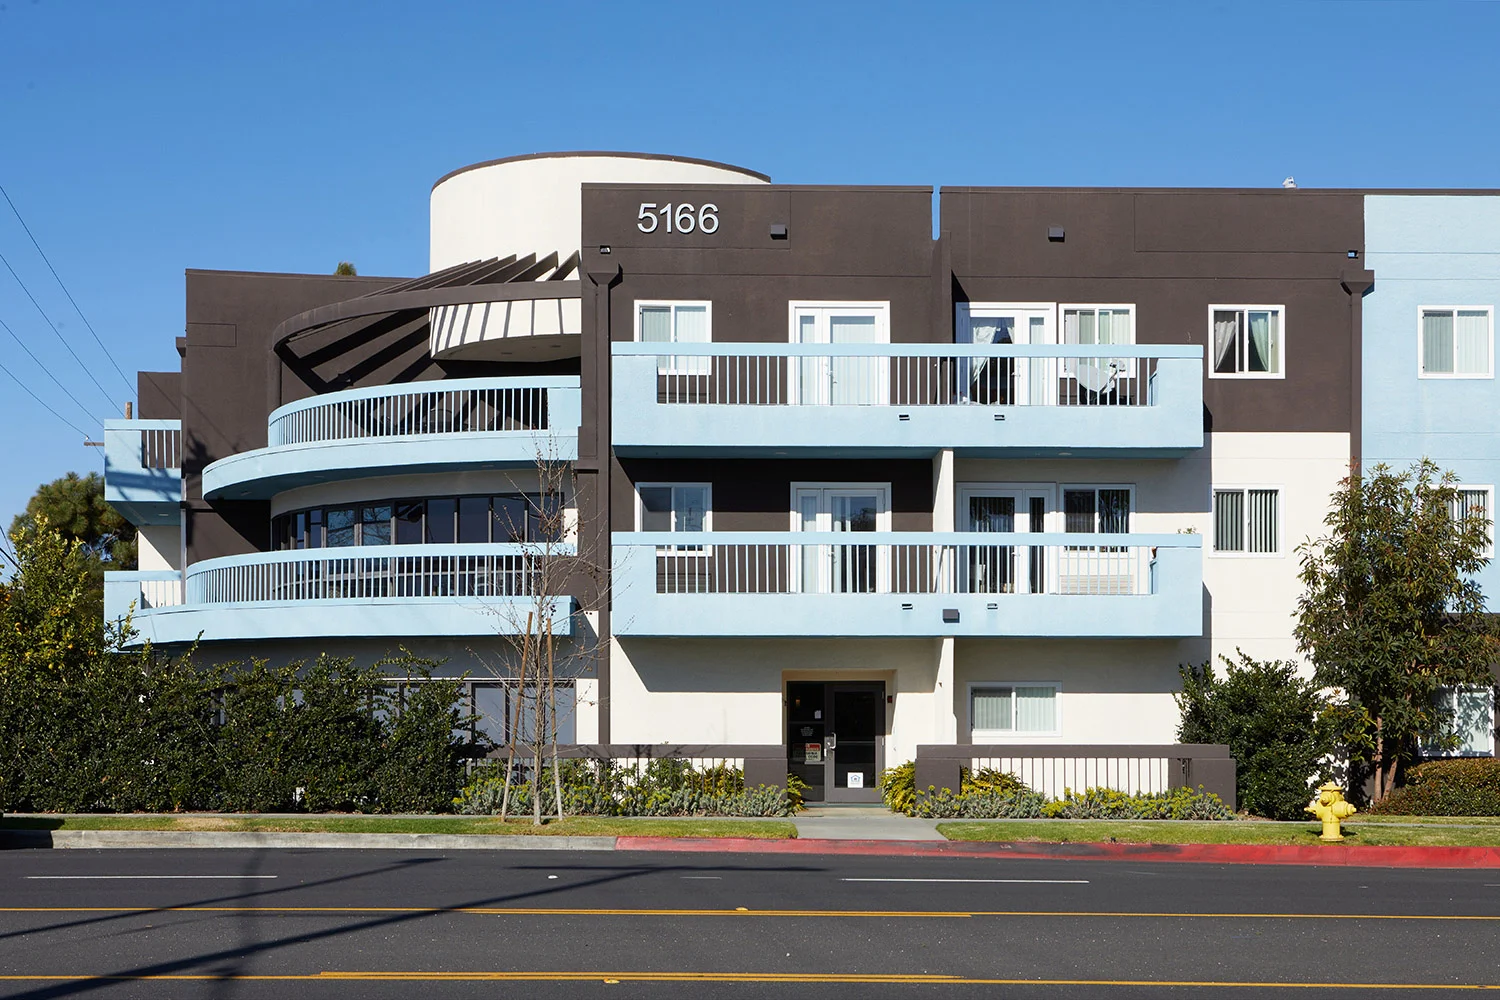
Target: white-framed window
pixel 1247 520
pixel 1456 342
pixel 1013 708
pixel 1098 324
pixel 1472 721
pixel 1247 341
pixel 674 507
pixel 1468 500
pixel 664 322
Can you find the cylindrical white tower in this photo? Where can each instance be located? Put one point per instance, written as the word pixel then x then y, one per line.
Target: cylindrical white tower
pixel 531 207
pixel 533 204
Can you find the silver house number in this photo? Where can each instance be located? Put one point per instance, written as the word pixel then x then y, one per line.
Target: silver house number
pixel 680 218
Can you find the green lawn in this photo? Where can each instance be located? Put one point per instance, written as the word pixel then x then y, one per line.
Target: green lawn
pixel 576 826
pixel 1384 830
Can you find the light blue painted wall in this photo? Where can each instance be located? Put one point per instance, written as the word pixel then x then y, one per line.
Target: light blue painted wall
pixel 1429 250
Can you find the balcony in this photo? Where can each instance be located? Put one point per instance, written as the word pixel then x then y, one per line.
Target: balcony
pixel 452 425
pixel 143 470
pixel 888 400
pixel 394 591
pixel 906 584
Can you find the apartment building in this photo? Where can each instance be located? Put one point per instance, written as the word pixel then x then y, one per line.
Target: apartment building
pixel 740 378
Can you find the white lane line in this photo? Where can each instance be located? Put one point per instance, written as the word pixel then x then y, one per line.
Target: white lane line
pixel 712 878
pixel 1011 881
pixel 78 877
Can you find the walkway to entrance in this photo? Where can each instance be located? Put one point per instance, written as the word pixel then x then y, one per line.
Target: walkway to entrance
pixel 861 822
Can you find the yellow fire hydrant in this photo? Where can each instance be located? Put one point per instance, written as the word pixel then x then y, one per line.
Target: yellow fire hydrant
pixel 1331 808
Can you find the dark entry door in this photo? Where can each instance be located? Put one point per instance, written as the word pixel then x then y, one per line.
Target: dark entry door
pixel 836 738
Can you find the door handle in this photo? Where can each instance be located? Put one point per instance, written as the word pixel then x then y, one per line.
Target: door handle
pixel 832 742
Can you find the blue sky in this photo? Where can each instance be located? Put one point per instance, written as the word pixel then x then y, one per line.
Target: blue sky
pixel 140 140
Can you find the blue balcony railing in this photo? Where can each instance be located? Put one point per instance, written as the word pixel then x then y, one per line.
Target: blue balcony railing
pixel 450 425
pixel 383 591
pixel 143 470
pixel 906 584
pixel 1122 400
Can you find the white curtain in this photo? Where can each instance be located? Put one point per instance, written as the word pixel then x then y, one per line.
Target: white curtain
pixel 1471 342
pixel 860 381
pixel 1437 343
pixel 656 324
pixel 1036 709
pixel 1226 336
pixel 1264 342
pixel 691 328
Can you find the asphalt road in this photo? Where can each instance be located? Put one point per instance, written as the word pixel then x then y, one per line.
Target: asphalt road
pixel 279 924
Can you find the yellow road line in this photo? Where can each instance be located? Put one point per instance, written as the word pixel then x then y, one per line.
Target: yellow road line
pixel 881 914
pixel 746 977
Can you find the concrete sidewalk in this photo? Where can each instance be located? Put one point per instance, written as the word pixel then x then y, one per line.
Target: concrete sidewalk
pixel 861 822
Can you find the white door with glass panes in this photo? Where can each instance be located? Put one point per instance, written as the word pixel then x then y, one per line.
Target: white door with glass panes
pixel 832 379
pixel 841 568
pixel 1006 381
pixel 1100 379
pixel 1003 569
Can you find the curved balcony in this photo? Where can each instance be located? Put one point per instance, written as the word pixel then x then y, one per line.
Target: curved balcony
pixel 423 427
pixel 383 592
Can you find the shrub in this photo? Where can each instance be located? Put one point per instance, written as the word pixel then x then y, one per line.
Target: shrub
pixel 1465 787
pixel 898 785
pixel 1107 803
pixel 1277 726
pixel 664 787
pixel 942 803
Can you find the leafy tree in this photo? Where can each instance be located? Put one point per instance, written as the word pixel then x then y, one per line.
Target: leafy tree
pixel 74 506
pixel 1279 728
pixel 345 269
pixel 1391 611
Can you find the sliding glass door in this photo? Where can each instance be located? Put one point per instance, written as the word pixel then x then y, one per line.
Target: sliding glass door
pixel 1004 569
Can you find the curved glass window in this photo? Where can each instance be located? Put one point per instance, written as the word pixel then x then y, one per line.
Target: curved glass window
pixel 507 517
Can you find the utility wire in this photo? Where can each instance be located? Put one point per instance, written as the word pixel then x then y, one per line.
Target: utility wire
pixel 55 330
pixel 64 287
pixel 48 373
pixel 42 401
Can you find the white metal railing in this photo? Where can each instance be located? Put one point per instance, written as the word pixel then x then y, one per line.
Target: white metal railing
pixel 1053 775
pixel 403 571
pixel 458 407
pixel 792 567
pixel 161 448
pixel 160 594
pixel 900 375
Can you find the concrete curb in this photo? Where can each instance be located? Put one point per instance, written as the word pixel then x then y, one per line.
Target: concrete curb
pixel 1341 855
pixel 84 839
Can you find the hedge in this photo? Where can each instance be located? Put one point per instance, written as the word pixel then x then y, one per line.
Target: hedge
pixel 1461 787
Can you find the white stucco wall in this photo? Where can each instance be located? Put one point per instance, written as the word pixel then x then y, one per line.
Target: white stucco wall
pixel 159 547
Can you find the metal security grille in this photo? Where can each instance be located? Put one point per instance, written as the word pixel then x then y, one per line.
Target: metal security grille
pixel 403 411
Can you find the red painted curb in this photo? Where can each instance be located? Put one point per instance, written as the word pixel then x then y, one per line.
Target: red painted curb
pixel 1343 855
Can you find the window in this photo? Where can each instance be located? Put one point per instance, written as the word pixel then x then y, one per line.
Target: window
pixel 835 378
pixel 510 517
pixel 1098 324
pixel 1247 521
pixel 1096 509
pixel 676 323
pixel 1471 719
pixel 1013 708
pixel 1475 501
pixel 1247 340
pixel 1456 342
pixel 674 506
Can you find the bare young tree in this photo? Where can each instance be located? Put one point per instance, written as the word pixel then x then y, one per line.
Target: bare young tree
pixel 561 559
